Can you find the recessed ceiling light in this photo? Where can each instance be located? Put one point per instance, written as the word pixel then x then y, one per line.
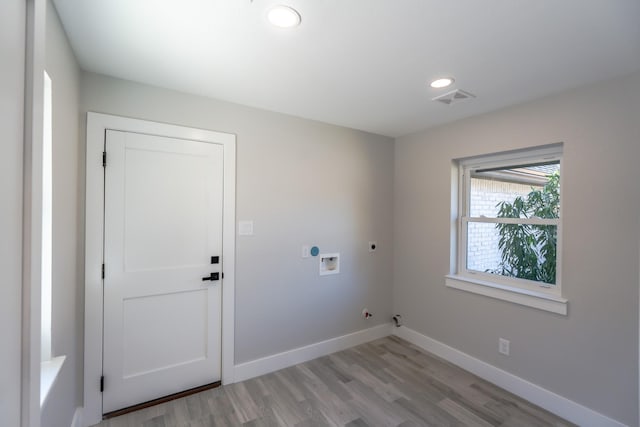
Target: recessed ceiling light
pixel 442 82
pixel 283 17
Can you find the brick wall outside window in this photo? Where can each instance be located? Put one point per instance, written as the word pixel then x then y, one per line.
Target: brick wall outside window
pixel 482 244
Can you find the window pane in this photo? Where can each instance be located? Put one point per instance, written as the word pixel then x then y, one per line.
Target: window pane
pixel 47 215
pixel 516 192
pixel 513 250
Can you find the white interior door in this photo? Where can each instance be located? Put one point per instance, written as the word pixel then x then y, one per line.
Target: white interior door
pixel 163 230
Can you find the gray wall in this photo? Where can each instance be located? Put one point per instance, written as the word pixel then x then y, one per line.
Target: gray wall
pixel 12 44
pixel 301 182
pixel 590 356
pixel 68 220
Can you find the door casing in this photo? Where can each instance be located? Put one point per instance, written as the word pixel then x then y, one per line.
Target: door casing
pixel 97 124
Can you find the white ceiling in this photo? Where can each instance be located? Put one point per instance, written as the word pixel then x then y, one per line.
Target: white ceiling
pixel 364 64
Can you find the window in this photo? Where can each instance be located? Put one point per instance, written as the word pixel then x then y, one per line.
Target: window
pixel 49 366
pixel 47 215
pixel 508 227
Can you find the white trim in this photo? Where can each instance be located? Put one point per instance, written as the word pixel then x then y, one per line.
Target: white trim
pixel 229 261
pixel 35 44
pixel 97 124
pixel 255 368
pixel 77 417
pixel 49 370
pixel 93 268
pixel 540 300
pixel 543 153
pixel 531 221
pixel 542 397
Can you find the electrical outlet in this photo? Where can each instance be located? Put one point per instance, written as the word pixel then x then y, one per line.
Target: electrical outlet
pixel 373 246
pixel 503 346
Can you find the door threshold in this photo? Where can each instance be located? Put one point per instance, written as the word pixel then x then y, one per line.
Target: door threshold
pixel 160 400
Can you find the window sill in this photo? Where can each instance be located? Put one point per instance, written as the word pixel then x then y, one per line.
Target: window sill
pixel 49 371
pixel 539 300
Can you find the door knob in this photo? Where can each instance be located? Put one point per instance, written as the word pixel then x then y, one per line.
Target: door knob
pixel 213 277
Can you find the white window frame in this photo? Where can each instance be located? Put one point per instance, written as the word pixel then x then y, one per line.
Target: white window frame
pixel 50 366
pixel 47 217
pixel 521 291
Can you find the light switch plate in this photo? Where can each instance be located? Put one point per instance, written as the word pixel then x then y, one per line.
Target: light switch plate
pixel 503 346
pixel 245 228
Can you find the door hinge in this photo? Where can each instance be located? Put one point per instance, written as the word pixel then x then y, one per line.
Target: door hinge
pixel 223 275
pixel 103 270
pixel 101 384
pixel 104 159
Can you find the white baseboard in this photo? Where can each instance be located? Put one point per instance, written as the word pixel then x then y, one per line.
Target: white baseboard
pixel 285 359
pixel 544 398
pixel 77 418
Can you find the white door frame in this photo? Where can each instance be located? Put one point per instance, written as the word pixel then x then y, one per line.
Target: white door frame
pixel 97 124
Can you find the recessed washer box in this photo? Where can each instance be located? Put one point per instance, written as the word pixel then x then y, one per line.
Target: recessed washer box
pixel 329 264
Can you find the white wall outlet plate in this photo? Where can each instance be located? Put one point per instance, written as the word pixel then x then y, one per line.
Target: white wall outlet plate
pixel 503 346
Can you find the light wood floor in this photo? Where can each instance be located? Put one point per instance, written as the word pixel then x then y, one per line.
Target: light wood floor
pixel 387 382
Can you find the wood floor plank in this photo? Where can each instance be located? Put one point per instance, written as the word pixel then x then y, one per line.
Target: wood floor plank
pixel 283 402
pixel 463 414
pixel 440 385
pixel 415 383
pixel 245 408
pixel 315 419
pixel 357 423
pixel 158 421
pixel 387 391
pixel 332 378
pixel 507 398
pixel 286 378
pixel 220 406
pixel 371 362
pixel 428 413
pixel 387 382
pixel 333 408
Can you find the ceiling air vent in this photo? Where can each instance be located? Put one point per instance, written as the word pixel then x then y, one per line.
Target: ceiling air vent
pixel 453 96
